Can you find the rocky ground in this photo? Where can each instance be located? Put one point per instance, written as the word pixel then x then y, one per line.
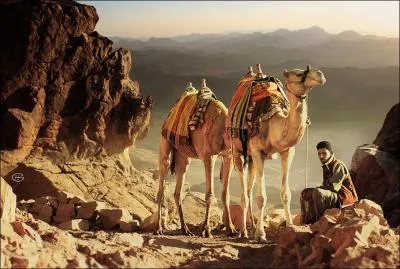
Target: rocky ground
pixel 92 237
pixel 81 249
pixel 97 237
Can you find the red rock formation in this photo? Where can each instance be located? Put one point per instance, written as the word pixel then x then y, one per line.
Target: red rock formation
pixel 376 168
pixel 388 138
pixel 354 237
pixel 63 88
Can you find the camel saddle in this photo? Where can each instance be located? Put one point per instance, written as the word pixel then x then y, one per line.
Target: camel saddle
pixel 255 101
pixel 204 97
pixel 187 115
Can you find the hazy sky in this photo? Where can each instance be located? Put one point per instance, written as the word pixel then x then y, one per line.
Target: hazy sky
pixel 169 18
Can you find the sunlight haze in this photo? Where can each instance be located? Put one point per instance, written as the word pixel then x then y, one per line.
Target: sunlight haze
pixel 170 18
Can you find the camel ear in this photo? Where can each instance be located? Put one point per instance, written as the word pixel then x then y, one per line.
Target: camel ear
pixel 285 73
pixel 308 67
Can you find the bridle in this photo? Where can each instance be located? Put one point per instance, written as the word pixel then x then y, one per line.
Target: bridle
pixel 299 96
pixel 303 78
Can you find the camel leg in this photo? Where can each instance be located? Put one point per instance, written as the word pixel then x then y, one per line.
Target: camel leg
pixel 182 163
pixel 261 198
pixel 209 163
pixel 226 176
pixel 286 162
pixel 251 181
pixel 245 199
pixel 163 164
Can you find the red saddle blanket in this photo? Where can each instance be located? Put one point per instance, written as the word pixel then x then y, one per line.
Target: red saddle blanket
pixel 254 99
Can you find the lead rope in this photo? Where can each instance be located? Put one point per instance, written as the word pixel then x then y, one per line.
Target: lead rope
pixel 308 122
pixel 306 172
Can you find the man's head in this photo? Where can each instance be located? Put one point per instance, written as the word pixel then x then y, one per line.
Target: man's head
pixel 324 150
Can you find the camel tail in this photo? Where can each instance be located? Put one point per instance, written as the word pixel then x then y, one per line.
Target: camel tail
pixel 172 166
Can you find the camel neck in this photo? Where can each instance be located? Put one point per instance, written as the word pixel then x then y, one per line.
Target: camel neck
pixel 296 121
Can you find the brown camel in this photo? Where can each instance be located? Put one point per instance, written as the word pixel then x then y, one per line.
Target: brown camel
pixel 278 134
pixel 209 142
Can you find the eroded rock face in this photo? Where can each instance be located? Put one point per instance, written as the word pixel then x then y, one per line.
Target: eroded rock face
pixel 376 168
pixel 112 180
pixel 63 88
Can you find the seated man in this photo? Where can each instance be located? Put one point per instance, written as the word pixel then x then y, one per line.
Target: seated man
pixel 337 188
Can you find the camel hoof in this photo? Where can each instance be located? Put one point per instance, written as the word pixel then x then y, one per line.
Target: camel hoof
pixel 262 239
pixel 206 233
pixel 243 234
pixel 186 231
pixel 159 232
pixel 231 232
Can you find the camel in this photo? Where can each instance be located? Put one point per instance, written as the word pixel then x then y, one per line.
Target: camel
pixel 277 135
pixel 209 143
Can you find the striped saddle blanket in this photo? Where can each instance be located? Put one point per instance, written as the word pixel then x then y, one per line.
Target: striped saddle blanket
pixel 254 101
pixel 186 115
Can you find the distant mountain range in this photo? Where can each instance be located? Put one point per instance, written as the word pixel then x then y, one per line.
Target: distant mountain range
pixel 281 38
pixel 362 70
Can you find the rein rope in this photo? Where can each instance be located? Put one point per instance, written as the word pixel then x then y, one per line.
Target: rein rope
pixel 308 122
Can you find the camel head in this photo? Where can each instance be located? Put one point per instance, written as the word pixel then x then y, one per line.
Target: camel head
pixel 300 82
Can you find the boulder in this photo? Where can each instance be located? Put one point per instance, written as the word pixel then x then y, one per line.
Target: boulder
pixel 388 138
pixel 131 226
pixel 292 235
pixel 375 174
pixel 53 202
pixel 89 210
pixel 236 216
pixel 39 204
pixel 75 225
pixel 111 217
pixel 375 168
pixel 76 201
pixel 46 213
pixel 64 213
pixel 8 201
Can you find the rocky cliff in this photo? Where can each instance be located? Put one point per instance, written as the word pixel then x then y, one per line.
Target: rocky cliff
pixel 376 168
pixel 65 91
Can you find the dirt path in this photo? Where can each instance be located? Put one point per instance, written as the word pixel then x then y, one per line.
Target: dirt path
pixel 176 250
